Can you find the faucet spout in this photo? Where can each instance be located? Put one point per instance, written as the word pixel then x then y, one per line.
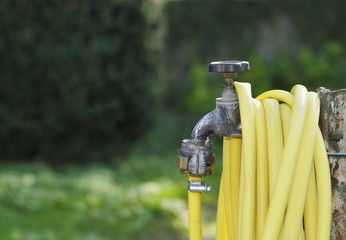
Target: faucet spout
pixel 224 120
pixel 206 126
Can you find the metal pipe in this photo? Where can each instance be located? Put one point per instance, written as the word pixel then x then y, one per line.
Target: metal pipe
pixel 224 120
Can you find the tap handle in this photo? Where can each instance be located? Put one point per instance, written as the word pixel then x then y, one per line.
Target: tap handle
pixel 229 66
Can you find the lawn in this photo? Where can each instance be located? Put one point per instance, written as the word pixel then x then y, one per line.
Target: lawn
pixel 141 197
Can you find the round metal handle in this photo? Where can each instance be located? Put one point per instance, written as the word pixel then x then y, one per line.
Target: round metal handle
pixel 229 66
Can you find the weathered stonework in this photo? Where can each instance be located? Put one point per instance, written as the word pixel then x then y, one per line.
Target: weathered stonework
pixel 333 127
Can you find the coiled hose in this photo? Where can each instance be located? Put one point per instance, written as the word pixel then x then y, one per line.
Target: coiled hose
pixel 275 181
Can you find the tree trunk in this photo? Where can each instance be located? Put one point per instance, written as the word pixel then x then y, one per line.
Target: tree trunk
pixel 333 127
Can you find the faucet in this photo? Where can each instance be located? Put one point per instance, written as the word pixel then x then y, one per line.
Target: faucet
pixel 196 157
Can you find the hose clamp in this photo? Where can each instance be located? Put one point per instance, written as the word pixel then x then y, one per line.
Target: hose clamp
pixel 198 186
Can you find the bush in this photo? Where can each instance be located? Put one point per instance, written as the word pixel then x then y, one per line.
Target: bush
pixel 272 36
pixel 313 69
pixel 324 68
pixel 75 80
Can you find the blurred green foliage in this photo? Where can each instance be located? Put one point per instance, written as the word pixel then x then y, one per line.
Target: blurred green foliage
pixel 75 80
pixel 313 69
pixel 81 80
pixel 78 82
pixel 324 68
pixel 94 202
pixel 201 91
pixel 286 43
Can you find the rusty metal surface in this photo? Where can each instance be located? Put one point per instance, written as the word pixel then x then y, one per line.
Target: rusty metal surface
pixel 333 127
pixel 223 121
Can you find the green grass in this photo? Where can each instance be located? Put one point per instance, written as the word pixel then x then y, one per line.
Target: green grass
pixel 141 197
pixel 93 202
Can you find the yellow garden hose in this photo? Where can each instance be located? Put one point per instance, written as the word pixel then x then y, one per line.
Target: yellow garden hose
pixel 194 205
pixel 275 182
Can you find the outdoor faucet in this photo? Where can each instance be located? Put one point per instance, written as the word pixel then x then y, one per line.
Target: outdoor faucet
pixel 197 158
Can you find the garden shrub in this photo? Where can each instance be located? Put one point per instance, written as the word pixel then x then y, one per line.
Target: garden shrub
pixel 75 81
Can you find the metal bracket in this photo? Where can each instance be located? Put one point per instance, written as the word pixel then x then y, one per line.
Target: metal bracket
pixel 336 154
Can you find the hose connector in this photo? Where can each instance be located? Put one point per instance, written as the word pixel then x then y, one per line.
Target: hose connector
pixel 196 157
